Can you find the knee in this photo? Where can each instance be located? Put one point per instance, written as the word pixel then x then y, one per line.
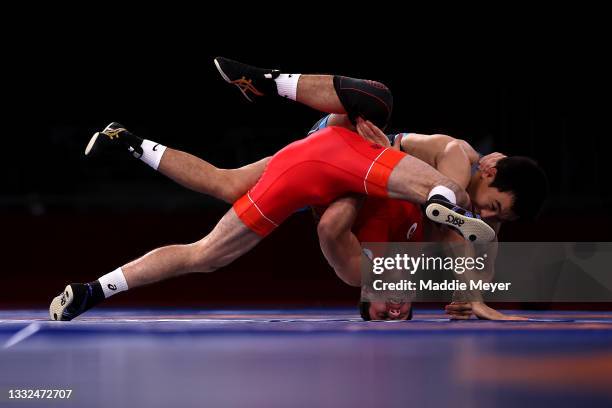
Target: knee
pixel 233 190
pixel 227 187
pixel 369 99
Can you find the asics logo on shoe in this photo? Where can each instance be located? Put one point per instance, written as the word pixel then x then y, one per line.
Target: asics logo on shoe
pixel 246 85
pixel 112 133
pixel 111 286
pixel 452 220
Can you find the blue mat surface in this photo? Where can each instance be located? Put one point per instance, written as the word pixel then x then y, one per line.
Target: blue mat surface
pixel 306 358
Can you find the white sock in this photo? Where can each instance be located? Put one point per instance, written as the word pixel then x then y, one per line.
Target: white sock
pixel 444 192
pixel 113 283
pixel 287 85
pixel 152 153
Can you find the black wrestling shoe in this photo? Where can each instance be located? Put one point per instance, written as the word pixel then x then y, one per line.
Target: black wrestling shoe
pixel 253 82
pixel 76 299
pixel 470 225
pixel 112 137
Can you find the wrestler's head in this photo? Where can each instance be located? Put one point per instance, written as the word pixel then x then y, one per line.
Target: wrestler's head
pixel 385 310
pixel 515 188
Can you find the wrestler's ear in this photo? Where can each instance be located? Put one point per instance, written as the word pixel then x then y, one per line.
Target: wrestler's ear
pixel 488 174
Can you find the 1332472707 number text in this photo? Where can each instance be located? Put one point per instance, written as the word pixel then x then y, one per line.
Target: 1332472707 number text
pixel 39 394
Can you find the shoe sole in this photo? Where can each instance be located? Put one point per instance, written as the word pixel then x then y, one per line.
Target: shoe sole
pixel 91 143
pixel 229 81
pixel 60 303
pixel 472 229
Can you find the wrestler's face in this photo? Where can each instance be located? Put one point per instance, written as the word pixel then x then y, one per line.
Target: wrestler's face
pixel 389 310
pixel 488 201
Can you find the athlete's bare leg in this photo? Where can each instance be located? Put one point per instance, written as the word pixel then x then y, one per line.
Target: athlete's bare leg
pixel 184 168
pixel 199 175
pixel 334 94
pixel 227 241
pixel 317 92
pixel 412 179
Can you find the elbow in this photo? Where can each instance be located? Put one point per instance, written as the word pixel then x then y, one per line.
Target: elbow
pixel 327 230
pixel 354 281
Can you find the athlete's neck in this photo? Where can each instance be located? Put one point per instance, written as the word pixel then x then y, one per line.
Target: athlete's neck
pixel 473 184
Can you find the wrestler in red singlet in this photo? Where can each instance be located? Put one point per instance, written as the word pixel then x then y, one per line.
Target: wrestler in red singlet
pixel 388 220
pixel 316 170
pixel 380 219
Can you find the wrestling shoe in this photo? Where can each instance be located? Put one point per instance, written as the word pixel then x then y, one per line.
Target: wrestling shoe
pixel 467 223
pixel 76 299
pixel 253 82
pixel 114 136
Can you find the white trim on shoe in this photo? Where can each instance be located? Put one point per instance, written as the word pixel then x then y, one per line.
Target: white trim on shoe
pixel 91 143
pixel 60 303
pixel 229 81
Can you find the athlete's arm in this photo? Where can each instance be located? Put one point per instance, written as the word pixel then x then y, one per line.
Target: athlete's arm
pixel 454 162
pixel 484 312
pixel 338 243
pixel 463 310
pixel 479 308
pixel 199 175
pixel 451 157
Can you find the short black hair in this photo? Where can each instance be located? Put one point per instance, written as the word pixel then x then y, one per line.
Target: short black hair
pixel 526 181
pixel 364 310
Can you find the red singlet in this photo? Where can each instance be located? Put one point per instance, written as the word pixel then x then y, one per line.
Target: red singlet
pixel 387 220
pixel 328 164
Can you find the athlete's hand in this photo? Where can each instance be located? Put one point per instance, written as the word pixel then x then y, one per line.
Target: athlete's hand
pixel 484 312
pixel 459 310
pixel 489 161
pixel 371 132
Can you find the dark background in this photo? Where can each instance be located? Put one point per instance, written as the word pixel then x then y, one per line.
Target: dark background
pixel 534 86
